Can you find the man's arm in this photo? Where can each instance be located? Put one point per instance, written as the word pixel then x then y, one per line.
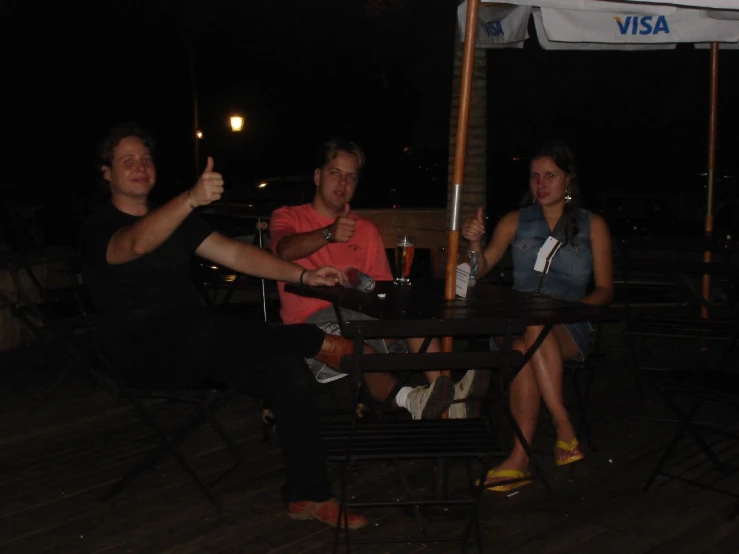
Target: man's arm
pixel 251 260
pixel 149 232
pixel 294 246
pixel 300 245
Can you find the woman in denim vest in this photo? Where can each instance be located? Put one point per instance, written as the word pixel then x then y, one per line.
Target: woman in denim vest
pixel 551 208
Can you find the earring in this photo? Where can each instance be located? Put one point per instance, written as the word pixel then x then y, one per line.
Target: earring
pixel 568 196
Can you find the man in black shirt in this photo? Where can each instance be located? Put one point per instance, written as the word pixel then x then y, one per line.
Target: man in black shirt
pixel 136 266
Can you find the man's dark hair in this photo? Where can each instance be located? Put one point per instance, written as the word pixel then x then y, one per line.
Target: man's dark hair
pixel 116 134
pixel 334 147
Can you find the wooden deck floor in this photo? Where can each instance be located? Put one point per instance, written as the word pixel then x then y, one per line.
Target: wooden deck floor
pixel 55 464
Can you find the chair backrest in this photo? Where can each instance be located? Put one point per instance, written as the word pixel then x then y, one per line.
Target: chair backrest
pixel 22 300
pixel 220 285
pixel 32 292
pixel 669 270
pixel 680 246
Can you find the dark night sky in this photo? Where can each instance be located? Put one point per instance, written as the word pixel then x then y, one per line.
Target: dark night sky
pixel 299 71
pixel 302 71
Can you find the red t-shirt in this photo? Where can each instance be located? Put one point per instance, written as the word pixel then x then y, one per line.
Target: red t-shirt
pixel 365 251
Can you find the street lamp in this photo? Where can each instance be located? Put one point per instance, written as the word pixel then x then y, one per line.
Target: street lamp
pixel 237 123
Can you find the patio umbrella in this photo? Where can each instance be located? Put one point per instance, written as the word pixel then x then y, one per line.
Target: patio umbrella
pixel 463 116
pixel 600 25
pixel 728 4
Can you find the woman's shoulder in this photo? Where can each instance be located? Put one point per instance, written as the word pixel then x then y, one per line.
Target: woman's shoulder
pixel 528 212
pixel 509 220
pixel 594 218
pixel 597 222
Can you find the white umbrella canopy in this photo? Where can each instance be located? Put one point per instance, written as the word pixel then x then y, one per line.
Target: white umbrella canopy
pixel 595 24
pixel 719 4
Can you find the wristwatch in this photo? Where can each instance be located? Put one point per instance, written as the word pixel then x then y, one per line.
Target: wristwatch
pixel 327 233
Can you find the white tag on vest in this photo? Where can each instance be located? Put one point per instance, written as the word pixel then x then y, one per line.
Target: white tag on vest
pixel 546 255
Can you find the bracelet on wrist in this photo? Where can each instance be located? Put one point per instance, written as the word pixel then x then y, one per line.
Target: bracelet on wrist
pixel 189 201
pixel 301 276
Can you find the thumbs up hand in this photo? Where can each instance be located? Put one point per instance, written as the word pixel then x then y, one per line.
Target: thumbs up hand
pixel 342 229
pixel 209 187
pixel 474 228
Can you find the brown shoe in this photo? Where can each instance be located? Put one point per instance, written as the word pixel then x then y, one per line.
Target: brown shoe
pixel 326 512
pixel 333 348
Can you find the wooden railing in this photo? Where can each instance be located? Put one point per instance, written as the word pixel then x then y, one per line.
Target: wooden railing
pixel 427 226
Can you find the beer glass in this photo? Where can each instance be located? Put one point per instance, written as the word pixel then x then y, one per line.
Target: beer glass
pixel 404 250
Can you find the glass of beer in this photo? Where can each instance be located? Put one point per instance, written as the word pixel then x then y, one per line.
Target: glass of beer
pixel 404 250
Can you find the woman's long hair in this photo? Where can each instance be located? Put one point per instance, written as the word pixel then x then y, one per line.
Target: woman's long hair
pixel 563 158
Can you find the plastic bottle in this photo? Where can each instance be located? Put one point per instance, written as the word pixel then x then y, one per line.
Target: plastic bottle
pixel 358 280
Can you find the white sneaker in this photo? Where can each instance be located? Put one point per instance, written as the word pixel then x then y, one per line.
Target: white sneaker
pixel 475 384
pixel 430 401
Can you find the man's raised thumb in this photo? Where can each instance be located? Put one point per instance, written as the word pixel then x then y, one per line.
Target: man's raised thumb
pixel 479 216
pixel 347 209
pixel 209 165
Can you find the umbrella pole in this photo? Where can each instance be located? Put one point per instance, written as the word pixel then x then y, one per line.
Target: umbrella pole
pixel 711 169
pixel 470 37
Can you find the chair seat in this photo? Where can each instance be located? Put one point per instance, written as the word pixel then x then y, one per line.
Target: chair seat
pixel 448 438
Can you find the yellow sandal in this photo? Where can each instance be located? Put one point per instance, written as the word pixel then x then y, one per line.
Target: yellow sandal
pixel 572 452
pixel 508 475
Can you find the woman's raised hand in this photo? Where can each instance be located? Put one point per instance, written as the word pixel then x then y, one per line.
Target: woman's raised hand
pixel 474 228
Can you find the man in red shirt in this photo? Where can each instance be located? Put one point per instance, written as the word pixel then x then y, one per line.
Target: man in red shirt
pixel 326 231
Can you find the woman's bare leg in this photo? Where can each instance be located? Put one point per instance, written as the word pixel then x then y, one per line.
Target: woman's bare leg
pixel 548 363
pixel 525 400
pixel 540 379
pixel 414 345
pixel 379 385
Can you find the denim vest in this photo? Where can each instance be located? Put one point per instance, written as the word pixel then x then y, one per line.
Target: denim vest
pixel 572 266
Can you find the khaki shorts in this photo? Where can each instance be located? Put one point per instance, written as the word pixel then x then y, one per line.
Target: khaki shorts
pixel 325 320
